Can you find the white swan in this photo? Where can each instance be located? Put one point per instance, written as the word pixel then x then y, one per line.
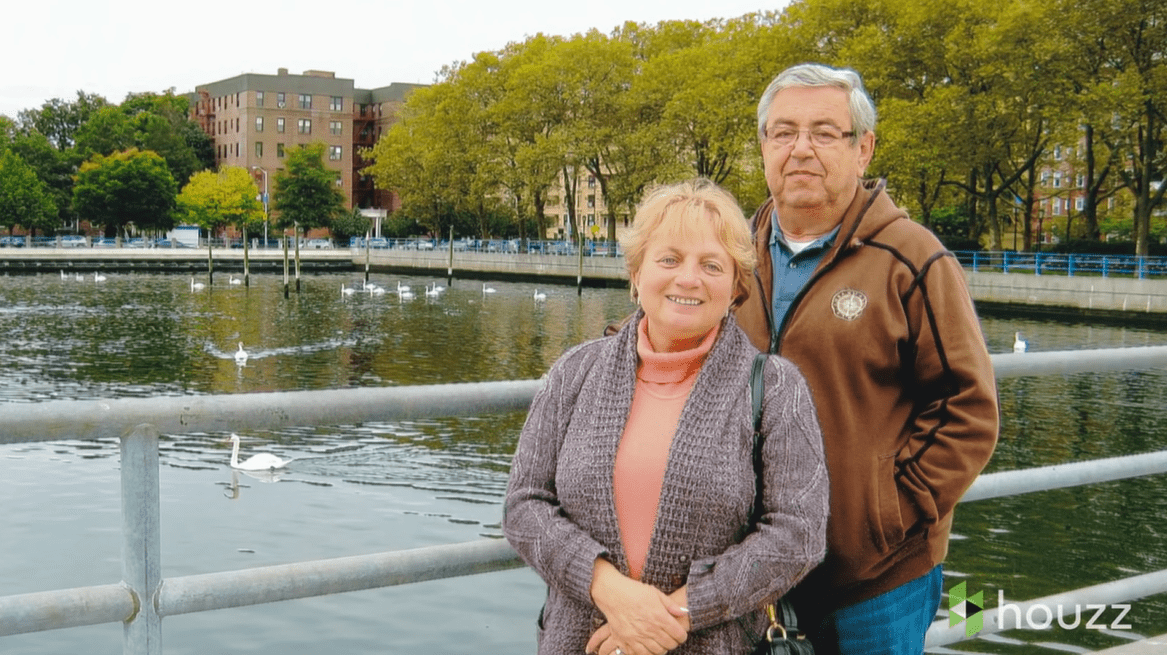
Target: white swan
pixel 234 280
pixel 346 291
pixel 79 277
pixel 405 294
pixel 486 289
pixel 195 286
pixel 540 296
pixel 375 290
pixel 260 462
pixel 1019 345
pixel 63 276
pixel 432 292
pixel 98 277
pixel 241 355
pixel 401 287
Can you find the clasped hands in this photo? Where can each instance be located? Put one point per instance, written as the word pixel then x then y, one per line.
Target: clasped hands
pixel 641 618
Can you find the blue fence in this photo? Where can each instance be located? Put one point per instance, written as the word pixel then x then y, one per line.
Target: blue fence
pixel 1048 263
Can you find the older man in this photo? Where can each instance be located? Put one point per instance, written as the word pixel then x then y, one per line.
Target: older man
pixel 876 314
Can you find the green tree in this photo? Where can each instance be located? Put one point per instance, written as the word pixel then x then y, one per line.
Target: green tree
pixel 59 119
pixel 306 194
pixel 129 187
pixel 350 224
pixel 54 168
pixel 24 199
pixel 213 200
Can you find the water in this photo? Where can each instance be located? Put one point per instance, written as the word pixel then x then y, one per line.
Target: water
pixel 385 486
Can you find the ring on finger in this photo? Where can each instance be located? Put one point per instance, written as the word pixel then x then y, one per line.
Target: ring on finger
pixel 617 651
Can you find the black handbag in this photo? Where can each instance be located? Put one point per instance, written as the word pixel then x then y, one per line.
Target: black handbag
pixel 782 637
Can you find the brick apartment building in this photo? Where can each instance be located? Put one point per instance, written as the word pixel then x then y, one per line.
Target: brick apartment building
pixel 255 120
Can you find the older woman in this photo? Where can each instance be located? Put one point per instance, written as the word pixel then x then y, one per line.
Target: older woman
pixel 633 482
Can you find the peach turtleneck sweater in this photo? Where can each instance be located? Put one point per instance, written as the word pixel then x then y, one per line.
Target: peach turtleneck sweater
pixel 663 382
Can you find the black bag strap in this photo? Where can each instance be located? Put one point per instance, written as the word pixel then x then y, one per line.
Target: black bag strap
pixel 757 393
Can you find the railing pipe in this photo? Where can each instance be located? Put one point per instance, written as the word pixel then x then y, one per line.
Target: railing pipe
pixel 81 419
pixel 141 538
pixel 212 591
pixel 65 608
pixel 1008 365
pixel 1059 476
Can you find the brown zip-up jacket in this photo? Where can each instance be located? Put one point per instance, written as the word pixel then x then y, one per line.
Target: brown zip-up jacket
pixel 888 339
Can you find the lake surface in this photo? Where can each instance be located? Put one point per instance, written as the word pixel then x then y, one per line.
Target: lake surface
pixel 376 487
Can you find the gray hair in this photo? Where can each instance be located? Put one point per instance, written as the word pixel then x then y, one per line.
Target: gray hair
pixel 816 75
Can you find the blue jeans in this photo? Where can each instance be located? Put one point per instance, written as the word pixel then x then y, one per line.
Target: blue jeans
pixel 892 623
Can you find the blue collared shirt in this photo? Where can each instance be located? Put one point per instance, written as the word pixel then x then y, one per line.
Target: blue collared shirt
pixel 793 270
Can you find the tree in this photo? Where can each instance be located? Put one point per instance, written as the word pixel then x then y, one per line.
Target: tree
pixel 350 224
pixel 306 194
pixel 126 187
pixel 53 167
pixel 24 199
pixel 59 120
pixel 213 200
pixel 147 121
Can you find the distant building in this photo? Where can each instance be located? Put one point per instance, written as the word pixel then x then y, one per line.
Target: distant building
pixel 255 120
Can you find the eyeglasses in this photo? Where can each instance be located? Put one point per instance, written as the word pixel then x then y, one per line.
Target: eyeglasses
pixel 823 136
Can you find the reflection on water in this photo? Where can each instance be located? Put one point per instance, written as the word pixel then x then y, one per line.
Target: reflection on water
pixel 378 486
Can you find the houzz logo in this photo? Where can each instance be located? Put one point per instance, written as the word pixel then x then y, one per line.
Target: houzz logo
pixel 1031 616
pixel 962 607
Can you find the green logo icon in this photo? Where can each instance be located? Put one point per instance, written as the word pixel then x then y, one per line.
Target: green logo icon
pixel 970 609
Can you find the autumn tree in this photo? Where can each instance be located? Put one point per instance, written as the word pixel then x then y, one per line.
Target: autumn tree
pixel 215 199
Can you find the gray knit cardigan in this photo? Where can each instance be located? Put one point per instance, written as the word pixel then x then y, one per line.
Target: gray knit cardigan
pixel 560 513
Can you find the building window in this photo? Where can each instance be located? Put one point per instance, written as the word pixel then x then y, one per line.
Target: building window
pixel 336 104
pixel 280 125
pixel 305 126
pixel 259 148
pixel 280 100
pixel 1079 204
pixel 280 150
pixel 334 152
pixel 1081 181
pixel 1057 179
pixel 1045 178
pixel 1058 153
pixel 339 182
pixel 591 182
pixel 335 127
pixel 259 98
pixel 591 202
pixel 259 123
pixel 305 101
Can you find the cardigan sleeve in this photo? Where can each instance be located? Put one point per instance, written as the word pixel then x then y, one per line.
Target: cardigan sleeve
pixel 533 520
pixel 790 538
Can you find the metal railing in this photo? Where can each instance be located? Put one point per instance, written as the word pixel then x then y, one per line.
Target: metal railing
pixel 143 598
pixel 1052 263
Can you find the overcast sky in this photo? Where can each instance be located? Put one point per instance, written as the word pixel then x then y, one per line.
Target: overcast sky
pixel 53 48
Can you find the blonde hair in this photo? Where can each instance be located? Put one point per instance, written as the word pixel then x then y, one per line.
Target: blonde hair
pixel 678 208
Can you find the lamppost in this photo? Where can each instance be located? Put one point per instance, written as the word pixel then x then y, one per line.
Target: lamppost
pixel 266 216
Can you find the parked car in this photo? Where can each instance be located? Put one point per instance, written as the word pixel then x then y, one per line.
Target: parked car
pixel 425 245
pixel 378 242
pixel 104 242
pixel 11 242
pixel 136 242
pixel 73 241
pixel 317 244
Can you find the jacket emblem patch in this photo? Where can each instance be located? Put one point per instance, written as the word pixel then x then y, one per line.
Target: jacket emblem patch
pixel 848 304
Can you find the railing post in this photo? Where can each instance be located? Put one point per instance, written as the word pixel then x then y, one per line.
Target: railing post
pixel 1142 267
pixel 1037 263
pixel 1105 266
pixel 1070 265
pixel 141 539
pixel 1005 261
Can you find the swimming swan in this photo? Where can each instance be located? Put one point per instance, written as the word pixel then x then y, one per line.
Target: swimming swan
pixel 241 355
pixel 260 462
